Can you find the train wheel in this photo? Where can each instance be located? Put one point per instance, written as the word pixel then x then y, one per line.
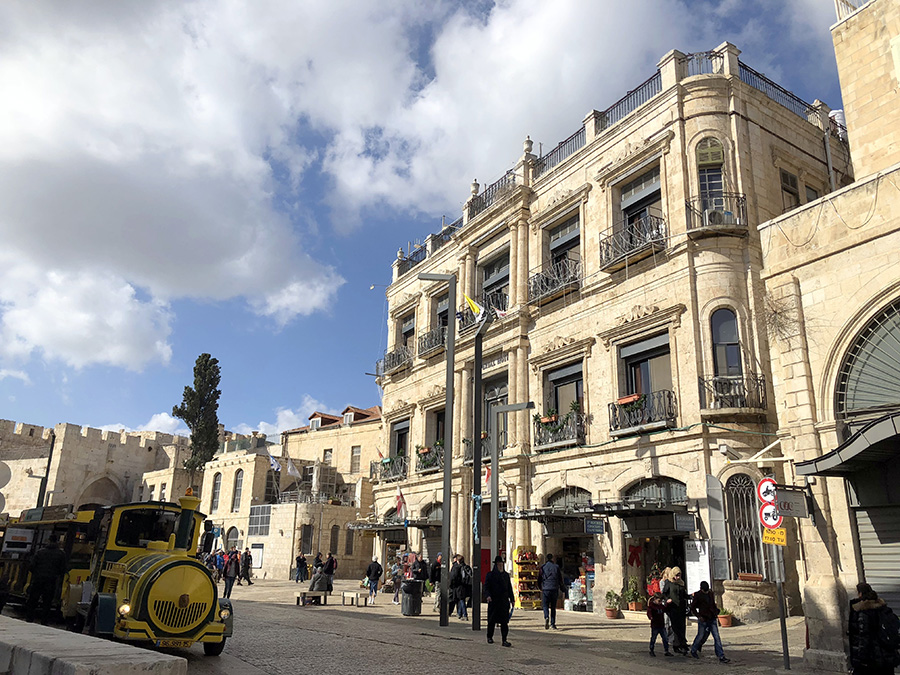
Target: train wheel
pixel 214 648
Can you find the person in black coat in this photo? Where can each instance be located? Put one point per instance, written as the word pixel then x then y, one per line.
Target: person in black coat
pixel 868 654
pixel 676 598
pixel 498 592
pixel 460 587
pixel 373 574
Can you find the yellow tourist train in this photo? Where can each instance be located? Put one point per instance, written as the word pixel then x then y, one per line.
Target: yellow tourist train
pixel 132 572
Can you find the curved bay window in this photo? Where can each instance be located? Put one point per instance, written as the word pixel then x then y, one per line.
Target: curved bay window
pixel 238 489
pixel 743 525
pixel 216 492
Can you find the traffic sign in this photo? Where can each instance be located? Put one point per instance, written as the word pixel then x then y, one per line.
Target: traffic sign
pixel 768 516
pixel 777 536
pixel 765 490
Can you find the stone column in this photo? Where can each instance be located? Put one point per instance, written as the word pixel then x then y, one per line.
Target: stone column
pixel 514 297
pixel 454 535
pixel 523 430
pixel 522 266
pixel 465 410
pixel 469 288
pixel 671 68
pixel 512 375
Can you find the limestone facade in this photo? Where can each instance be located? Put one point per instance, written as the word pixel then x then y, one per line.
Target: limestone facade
pixel 612 264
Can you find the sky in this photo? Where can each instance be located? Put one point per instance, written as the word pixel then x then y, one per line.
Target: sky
pixel 232 177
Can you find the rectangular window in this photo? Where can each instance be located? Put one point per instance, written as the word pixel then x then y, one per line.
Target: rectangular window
pixel 355 456
pixel 260 516
pixel 348 418
pixel 811 194
pixel 327 455
pixel 162 492
pixel 442 310
pixel 348 545
pixel 790 192
pixel 408 330
pixel 495 283
pixel 306 539
pixel 566 387
pixel 400 438
pixel 641 204
pixel 150 498
pixel 647 365
pixel 315 423
pixel 439 430
pixel 564 241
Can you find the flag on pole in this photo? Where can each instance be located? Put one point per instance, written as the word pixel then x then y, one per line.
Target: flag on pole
pixel 487 476
pixel 401 502
pixel 477 309
pixel 292 469
pixel 273 463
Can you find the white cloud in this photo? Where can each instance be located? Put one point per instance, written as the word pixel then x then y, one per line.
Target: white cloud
pixel 16 375
pixel 162 422
pixel 288 418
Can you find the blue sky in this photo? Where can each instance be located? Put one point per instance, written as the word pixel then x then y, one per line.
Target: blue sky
pixel 232 177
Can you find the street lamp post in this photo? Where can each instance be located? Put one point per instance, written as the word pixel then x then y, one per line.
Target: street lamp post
pixel 450 348
pixel 495 473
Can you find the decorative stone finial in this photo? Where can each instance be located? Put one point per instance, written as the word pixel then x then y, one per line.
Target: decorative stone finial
pixel 475 187
pixel 399 254
pixel 529 144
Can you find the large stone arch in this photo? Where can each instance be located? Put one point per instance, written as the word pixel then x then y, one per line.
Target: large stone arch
pixel 692 479
pixel 101 492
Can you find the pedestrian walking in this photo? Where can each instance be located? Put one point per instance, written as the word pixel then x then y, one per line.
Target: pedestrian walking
pixel 373 574
pixel 396 579
pixel 246 566
pixel 231 571
pixel 656 612
pixel 676 609
pixel 549 581
pixel 703 605
pixel 460 587
pixel 220 564
pixel 436 581
pixel 329 568
pixel 301 567
pixel 874 634
pixel 499 594
pixel 47 569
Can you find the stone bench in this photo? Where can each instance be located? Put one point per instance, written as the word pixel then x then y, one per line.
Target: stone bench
pixel 301 596
pixel 28 648
pixel 355 597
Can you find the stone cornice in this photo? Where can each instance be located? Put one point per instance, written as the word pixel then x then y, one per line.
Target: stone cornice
pixel 640 319
pixel 407 302
pixel 565 202
pixel 632 155
pixel 399 410
pixel 560 350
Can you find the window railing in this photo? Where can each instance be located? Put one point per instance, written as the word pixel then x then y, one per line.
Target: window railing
pixel 740 391
pixel 704 63
pixel 633 100
pixel 432 340
pixel 485 443
pixel 445 234
pixel 394 359
pixel 722 211
pixel 411 260
pixel 557 277
pixel 566 431
pixel 492 193
pixel 656 409
pixel 389 469
pixel 496 301
pixel 628 238
pixel 573 143
pixel 429 460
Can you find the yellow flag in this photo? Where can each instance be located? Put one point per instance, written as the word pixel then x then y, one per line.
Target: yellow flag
pixel 477 309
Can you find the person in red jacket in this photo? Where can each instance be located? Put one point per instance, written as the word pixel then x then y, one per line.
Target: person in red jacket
pixel 656 612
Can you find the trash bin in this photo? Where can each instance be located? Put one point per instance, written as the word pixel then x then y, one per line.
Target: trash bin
pixel 412 597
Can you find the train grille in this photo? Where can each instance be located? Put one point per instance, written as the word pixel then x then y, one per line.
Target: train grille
pixel 173 616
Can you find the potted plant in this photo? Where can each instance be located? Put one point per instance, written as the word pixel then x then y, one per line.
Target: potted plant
pixel 423 449
pixel 550 416
pixel 726 618
pixel 612 604
pixel 633 595
pixel 629 398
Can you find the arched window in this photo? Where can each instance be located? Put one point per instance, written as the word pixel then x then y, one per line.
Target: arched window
pixel 232 538
pixel 271 487
pixel 743 526
pixel 238 488
pixel 216 491
pixel 726 347
pixel 570 496
pixel 710 157
pixel 433 512
pixel 667 490
pixel 335 536
pixel 348 544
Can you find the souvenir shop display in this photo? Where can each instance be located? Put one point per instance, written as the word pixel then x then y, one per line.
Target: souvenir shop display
pixel 525 578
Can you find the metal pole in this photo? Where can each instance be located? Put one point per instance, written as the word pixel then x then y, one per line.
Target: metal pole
pixel 476 486
pixel 779 583
pixel 495 488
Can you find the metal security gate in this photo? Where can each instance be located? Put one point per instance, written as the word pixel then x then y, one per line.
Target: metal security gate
pixel 879 545
pixel 431 546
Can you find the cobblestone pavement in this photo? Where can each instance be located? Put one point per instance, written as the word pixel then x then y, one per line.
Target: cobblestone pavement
pixel 273 636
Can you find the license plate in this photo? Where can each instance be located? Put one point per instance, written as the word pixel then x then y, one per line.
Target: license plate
pixel 174 643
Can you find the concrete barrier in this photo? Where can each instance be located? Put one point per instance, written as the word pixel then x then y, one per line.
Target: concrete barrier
pixel 32 649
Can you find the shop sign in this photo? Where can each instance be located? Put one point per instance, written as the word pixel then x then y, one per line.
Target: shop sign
pixel 768 516
pixel 593 526
pixel 792 503
pixel 556 527
pixel 685 522
pixel 696 559
pixel 777 536
pixel 766 490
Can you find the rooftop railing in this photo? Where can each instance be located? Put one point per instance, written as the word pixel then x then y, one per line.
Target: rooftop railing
pixel 414 258
pixel 446 233
pixel 704 63
pixel 573 143
pixel 492 194
pixel 633 100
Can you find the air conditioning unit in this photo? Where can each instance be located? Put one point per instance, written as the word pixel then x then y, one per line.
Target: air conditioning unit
pixel 713 217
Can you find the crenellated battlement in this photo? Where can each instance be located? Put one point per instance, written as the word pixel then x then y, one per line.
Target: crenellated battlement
pixel 23 432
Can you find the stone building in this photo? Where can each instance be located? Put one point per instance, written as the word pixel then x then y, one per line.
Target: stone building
pixel 622 269
pixel 832 278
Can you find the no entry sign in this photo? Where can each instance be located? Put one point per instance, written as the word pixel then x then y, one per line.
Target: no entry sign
pixel 765 491
pixel 768 516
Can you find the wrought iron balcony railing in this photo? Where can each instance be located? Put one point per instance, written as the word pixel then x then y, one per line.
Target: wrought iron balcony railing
pixel 631 240
pixel 496 301
pixel 485 443
pixel 432 340
pixel 493 193
pixel 642 412
pixel 725 212
pixel 564 275
pixel 567 430
pixel 395 359
pixel 389 469
pixel 704 63
pixel 429 460
pixel 573 143
pixel 633 100
pixel 741 391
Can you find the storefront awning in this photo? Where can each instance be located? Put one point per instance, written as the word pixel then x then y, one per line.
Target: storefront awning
pixel 423 523
pixel 875 443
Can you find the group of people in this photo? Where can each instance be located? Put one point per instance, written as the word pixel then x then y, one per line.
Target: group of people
pixel 323 572
pixel 232 566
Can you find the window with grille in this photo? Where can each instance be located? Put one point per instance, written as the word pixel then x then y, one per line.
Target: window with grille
pixel 348 544
pixel 743 526
pixel 335 536
pixel 570 496
pixel 238 488
pixel 306 537
pixel 260 516
pixel 271 487
pixel 355 455
pixel 216 491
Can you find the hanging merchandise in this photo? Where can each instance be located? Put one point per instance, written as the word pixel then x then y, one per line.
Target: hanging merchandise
pixel 525 578
pixel 634 556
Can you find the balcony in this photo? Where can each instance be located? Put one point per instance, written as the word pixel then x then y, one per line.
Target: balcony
pixel 469 451
pixel 558 279
pixel 567 431
pixel 724 215
pixel 411 260
pixel 388 469
pixel 629 242
pixel 495 301
pixel 433 341
pixel 639 413
pixel 429 460
pixel 493 194
pixel 728 395
pixel 394 360
pixel 562 151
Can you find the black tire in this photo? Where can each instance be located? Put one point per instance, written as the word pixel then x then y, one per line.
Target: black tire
pixel 90 626
pixel 77 623
pixel 214 648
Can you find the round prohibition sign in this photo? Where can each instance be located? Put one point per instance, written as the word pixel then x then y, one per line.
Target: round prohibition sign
pixel 769 517
pixel 765 491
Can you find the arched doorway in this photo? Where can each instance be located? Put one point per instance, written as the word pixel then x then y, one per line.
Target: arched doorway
pixel 566 538
pixel 102 492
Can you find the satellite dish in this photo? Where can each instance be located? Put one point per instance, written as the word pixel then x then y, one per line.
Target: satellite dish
pixel 5 475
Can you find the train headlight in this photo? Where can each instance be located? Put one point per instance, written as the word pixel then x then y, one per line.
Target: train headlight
pixel 124 609
pixel 224 614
